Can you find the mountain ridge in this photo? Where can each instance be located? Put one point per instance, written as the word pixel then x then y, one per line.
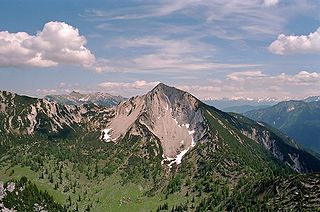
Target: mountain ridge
pixel 76 98
pixel 136 148
pixel 299 119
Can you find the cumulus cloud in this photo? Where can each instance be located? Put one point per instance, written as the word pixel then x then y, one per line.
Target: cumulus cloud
pixel 269 3
pixel 57 43
pixel 292 44
pixel 128 89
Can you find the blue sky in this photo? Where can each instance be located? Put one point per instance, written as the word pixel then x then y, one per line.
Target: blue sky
pixel 248 49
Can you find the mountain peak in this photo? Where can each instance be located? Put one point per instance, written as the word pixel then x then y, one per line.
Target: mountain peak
pixel 75 93
pixel 172 115
pixel 162 87
pixel 171 94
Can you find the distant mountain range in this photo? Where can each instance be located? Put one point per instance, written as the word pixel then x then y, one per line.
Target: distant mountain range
pixel 76 98
pixel 243 105
pixel 298 119
pixel 232 105
pixel 244 108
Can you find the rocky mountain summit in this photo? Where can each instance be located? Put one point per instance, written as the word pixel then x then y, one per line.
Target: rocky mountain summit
pixel 172 115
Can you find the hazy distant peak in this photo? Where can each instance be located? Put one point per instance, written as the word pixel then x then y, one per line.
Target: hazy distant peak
pixel 312 99
pixel 76 98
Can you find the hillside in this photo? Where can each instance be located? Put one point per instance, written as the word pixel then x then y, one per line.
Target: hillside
pixel 299 119
pixel 165 149
pixel 76 98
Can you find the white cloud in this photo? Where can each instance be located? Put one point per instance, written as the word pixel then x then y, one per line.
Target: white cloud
pixel 292 44
pixel 128 89
pixel 244 74
pixel 156 9
pixel 57 43
pixel 44 92
pixel 269 3
pixel 163 55
pixel 226 19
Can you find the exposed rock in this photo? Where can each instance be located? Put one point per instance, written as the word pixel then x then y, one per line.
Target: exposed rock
pixel 174 116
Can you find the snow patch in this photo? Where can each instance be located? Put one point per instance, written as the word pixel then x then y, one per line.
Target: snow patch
pixel 260 124
pixel 290 109
pixel 83 99
pixel 193 144
pixel 106 134
pixel 191 132
pixel 178 158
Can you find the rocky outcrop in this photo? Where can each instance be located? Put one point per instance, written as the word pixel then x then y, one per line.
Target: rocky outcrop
pixel 294 157
pixel 172 115
pixel 25 115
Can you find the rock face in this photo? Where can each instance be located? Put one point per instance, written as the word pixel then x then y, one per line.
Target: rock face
pixel 172 115
pixel 25 115
pixel 76 98
pixel 279 144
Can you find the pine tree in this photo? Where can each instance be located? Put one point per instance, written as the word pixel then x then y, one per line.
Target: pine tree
pixel 77 207
pixel 69 199
pixel 51 178
pixel 56 186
